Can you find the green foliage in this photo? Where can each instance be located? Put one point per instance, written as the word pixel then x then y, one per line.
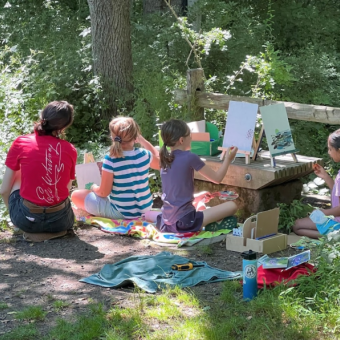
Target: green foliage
pixel 87 327
pixel 26 332
pixel 155 182
pixel 59 305
pixel 31 313
pixel 3 305
pixel 290 213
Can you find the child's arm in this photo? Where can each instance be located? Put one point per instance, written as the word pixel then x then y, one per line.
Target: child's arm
pixel 7 184
pixel 322 173
pixel 148 146
pixel 105 185
pixel 332 211
pixel 203 196
pixel 217 176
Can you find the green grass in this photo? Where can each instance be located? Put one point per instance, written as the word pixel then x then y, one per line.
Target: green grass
pixel 26 332
pixel 59 305
pixel 206 250
pixel 31 313
pixel 3 305
pixel 280 313
pixel 310 310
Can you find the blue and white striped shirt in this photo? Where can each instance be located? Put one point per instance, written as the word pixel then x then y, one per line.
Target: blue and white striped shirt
pixel 130 193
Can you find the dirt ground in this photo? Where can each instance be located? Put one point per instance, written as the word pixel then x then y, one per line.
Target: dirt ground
pixel 40 273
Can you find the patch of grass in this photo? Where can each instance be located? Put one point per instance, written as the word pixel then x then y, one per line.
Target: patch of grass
pixel 207 250
pixel 93 325
pixel 125 324
pixel 3 305
pixel 27 332
pixel 8 240
pixel 307 311
pixel 31 313
pixel 59 304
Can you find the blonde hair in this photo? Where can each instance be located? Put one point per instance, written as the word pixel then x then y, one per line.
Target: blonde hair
pixel 123 130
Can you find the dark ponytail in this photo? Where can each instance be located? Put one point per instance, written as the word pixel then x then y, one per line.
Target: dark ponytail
pixel 171 132
pixel 334 139
pixel 55 117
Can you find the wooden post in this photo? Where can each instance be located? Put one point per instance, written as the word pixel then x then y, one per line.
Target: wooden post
pixel 195 84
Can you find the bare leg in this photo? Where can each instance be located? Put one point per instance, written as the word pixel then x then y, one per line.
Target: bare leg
pixel 306 227
pixel 78 198
pixel 218 212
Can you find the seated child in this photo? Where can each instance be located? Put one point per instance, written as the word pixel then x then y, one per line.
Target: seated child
pixel 124 191
pixel 177 173
pixel 305 226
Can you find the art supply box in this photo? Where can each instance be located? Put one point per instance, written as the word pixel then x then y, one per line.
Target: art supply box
pixel 205 138
pixel 260 234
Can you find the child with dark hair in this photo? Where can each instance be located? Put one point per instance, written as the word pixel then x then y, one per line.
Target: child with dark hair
pixel 39 171
pixel 124 191
pixel 177 174
pixel 305 226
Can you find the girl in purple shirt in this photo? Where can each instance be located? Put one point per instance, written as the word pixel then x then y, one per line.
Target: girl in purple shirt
pixel 177 173
pixel 305 226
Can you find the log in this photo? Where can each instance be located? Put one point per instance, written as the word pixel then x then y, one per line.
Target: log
pixel 312 113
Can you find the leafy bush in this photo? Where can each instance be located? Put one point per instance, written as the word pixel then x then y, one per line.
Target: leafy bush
pixel 289 213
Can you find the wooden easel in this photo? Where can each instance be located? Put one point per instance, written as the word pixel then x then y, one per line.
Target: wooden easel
pixel 88 157
pixel 272 158
pixel 247 153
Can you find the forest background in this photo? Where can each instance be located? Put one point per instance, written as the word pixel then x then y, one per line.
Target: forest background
pixel 282 50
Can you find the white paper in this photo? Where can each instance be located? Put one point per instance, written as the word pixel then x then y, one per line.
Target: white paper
pixel 240 125
pixel 87 173
pixel 198 126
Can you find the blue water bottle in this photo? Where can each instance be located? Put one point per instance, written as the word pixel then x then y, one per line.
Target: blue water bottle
pixel 249 265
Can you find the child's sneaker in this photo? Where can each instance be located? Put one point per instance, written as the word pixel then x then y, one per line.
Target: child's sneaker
pixel 229 222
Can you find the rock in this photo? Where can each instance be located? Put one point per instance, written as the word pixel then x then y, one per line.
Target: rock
pixel 324 191
pixel 319 181
pixel 305 188
pixel 312 185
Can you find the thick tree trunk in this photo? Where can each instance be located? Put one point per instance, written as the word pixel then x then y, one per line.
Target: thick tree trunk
pixel 111 48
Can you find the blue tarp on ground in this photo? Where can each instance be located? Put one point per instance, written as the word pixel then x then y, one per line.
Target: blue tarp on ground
pixel 151 272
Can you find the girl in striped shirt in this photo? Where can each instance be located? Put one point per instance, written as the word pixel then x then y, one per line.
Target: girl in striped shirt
pixel 124 191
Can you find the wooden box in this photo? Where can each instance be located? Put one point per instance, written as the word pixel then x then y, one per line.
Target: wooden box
pixel 256 234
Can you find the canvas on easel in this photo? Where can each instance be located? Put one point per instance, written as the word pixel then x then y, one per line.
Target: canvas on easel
pixel 88 172
pixel 277 130
pixel 240 127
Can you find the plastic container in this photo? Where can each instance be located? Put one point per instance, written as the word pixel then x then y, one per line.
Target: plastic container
pixel 151 215
pixel 249 265
pixel 318 217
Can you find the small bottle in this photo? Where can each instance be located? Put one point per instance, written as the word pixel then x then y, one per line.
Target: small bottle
pixel 249 265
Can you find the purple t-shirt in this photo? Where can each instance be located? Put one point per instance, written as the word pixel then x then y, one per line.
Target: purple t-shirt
pixel 336 194
pixel 178 185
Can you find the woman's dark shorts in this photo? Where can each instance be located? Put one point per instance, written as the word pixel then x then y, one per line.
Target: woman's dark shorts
pixel 39 223
pixel 189 223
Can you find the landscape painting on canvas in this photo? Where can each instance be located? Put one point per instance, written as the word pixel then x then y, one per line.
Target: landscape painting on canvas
pixel 240 126
pixel 278 133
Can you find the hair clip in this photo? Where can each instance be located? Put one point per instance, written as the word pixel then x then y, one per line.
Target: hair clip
pixel 117 139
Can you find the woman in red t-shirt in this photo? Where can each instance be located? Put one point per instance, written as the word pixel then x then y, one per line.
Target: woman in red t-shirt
pixel 39 171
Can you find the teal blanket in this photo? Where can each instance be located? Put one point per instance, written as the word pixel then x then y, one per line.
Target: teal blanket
pixel 153 272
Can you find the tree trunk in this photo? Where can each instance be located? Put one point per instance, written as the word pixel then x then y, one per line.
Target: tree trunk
pixel 111 48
